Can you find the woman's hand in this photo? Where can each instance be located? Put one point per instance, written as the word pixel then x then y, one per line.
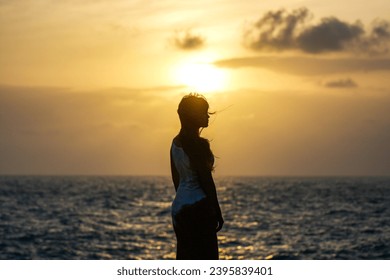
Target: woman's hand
pixel 220 223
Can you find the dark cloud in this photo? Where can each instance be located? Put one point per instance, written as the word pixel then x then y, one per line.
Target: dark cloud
pixel 342 83
pixel 188 41
pixel 308 66
pixel 276 30
pixel 330 35
pixel 281 30
pixel 378 40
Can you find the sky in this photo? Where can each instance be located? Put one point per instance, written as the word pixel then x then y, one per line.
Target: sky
pixel 91 87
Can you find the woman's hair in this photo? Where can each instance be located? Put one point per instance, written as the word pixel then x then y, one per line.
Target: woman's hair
pixel 190 107
pixel 196 147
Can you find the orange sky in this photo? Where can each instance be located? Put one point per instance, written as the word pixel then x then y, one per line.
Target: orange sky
pixel 92 87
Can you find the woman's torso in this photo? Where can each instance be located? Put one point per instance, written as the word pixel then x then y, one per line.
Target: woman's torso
pixel 189 190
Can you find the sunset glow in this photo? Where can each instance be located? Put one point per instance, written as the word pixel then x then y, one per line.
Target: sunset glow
pixel 201 77
pixel 92 87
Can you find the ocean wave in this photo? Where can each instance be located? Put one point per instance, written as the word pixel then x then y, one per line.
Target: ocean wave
pixel 129 218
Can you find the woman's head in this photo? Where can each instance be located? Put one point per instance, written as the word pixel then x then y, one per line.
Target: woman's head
pixel 193 111
pixel 193 114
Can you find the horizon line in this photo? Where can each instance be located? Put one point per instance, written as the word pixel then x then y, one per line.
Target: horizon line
pixel 216 176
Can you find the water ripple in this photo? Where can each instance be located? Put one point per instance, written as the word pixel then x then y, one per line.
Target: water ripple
pixel 129 218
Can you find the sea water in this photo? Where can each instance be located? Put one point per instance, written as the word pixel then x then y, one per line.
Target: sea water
pixel 44 217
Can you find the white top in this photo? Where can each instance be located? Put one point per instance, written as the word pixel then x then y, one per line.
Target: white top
pixel 189 191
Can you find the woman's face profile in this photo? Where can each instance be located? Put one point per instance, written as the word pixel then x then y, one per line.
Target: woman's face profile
pixel 201 117
pixel 204 118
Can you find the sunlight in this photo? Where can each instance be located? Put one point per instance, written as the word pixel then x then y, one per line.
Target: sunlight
pixel 201 77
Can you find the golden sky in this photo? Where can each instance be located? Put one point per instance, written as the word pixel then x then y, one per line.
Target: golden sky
pixel 92 87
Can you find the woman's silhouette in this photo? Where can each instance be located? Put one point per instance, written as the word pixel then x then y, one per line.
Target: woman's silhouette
pixel 196 213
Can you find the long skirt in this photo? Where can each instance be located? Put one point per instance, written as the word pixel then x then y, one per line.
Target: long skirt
pixel 195 229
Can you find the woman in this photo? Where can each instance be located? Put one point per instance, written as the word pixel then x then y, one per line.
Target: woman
pixel 196 213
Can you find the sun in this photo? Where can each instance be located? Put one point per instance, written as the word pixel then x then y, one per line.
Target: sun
pixel 201 77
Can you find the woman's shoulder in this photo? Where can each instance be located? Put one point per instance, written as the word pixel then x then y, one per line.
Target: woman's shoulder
pixel 202 141
pixel 177 142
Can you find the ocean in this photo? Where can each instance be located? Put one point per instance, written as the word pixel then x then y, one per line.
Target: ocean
pixel 43 217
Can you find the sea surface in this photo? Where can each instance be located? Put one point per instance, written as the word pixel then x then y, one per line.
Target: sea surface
pixel 129 218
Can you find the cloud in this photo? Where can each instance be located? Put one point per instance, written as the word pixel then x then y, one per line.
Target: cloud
pixel 342 83
pixel 275 30
pixel 308 66
pixel 379 38
pixel 330 35
pixel 281 30
pixel 188 41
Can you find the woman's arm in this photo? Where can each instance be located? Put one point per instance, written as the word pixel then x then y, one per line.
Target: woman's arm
pixel 208 186
pixel 174 173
